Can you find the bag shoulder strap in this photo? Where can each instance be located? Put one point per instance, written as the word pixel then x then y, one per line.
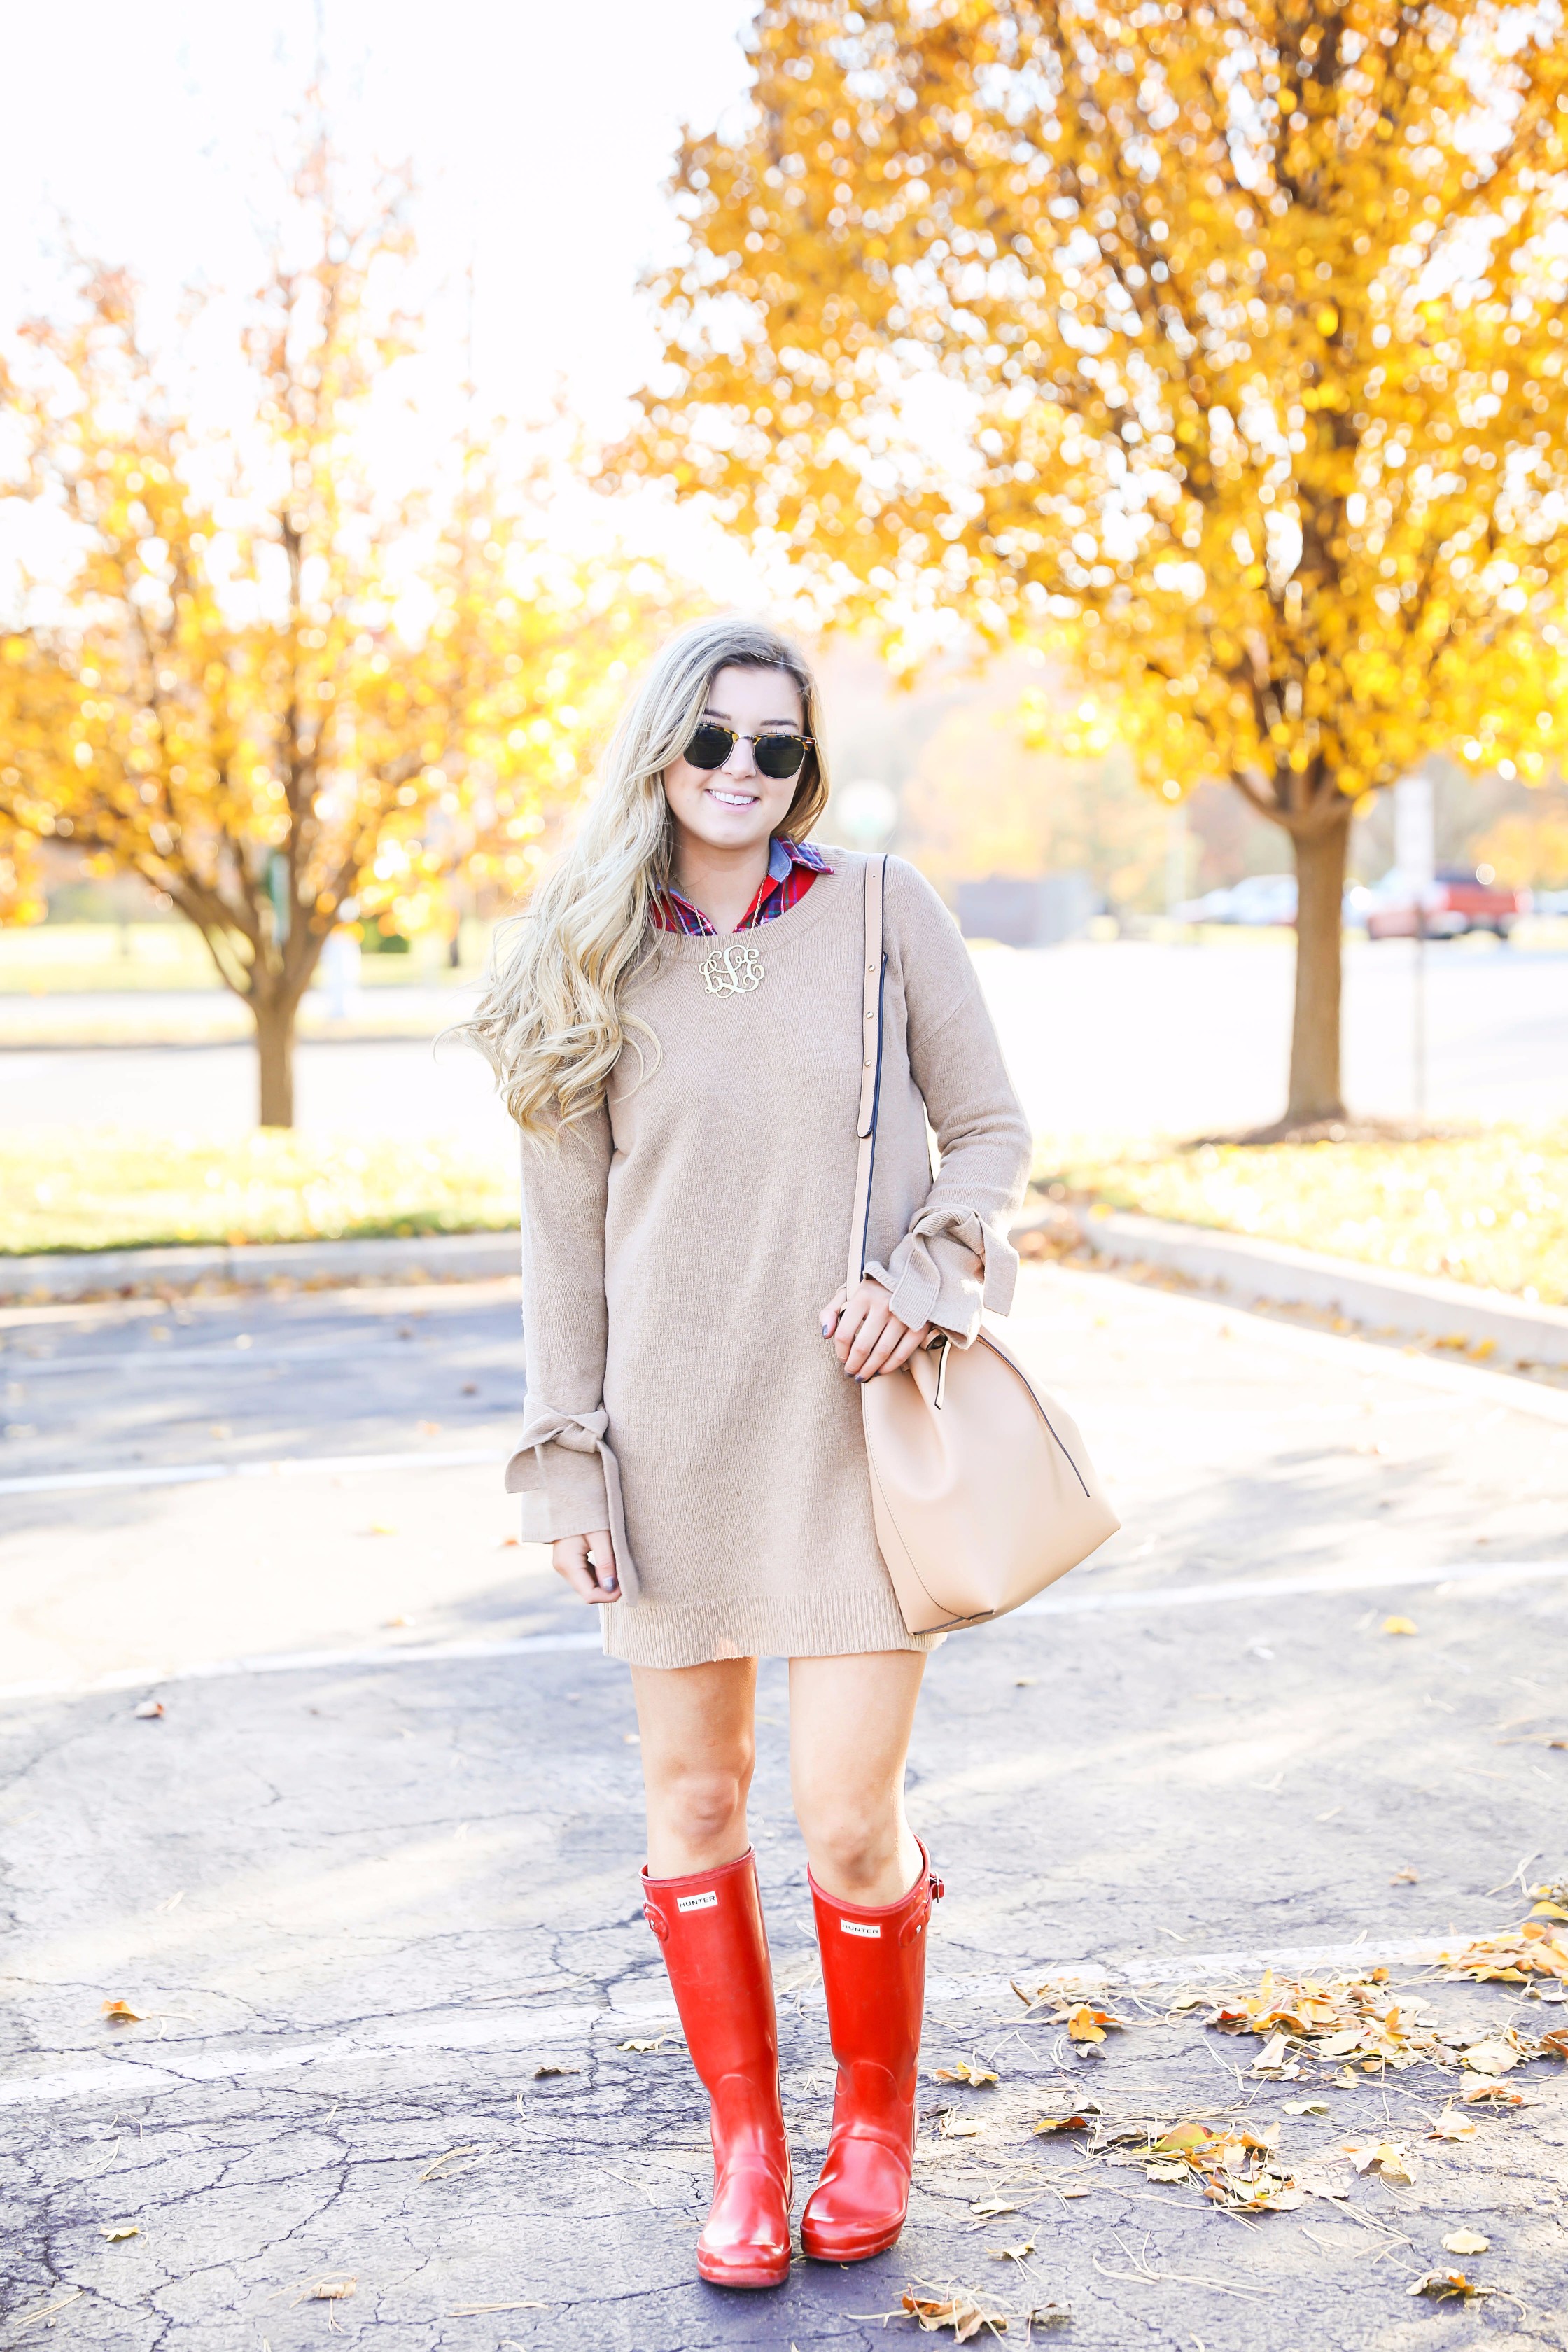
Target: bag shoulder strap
pixel 871 976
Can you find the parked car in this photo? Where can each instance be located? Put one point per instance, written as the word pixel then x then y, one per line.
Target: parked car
pixel 1458 898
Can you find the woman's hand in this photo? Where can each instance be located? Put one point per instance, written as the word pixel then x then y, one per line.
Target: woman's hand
pixel 869 1337
pixel 588 1564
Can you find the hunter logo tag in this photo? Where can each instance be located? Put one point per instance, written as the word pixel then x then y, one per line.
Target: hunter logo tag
pixel 859 1928
pixel 730 971
pixel 709 1902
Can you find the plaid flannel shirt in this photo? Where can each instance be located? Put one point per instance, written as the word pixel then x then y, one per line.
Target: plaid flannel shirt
pixel 793 868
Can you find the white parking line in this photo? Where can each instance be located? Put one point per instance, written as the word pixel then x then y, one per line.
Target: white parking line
pixel 1086 1601
pixel 182 2064
pixel 302 1662
pixel 196 1474
pixel 243 1360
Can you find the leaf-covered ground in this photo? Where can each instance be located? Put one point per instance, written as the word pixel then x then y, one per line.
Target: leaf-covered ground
pixel 1490 1208
pixel 106 1189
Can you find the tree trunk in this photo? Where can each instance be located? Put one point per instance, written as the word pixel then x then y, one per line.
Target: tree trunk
pixel 275 1062
pixel 1315 1032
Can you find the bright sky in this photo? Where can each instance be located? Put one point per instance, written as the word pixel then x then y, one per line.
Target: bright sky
pixel 541 132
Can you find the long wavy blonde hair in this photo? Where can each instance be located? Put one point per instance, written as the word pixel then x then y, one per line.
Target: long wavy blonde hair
pixel 551 1021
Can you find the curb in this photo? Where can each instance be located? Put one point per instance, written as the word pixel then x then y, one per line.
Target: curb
pixel 1415 1307
pixel 136 1272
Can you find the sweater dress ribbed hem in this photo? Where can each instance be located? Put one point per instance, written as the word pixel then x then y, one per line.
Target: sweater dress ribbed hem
pixel 792 1626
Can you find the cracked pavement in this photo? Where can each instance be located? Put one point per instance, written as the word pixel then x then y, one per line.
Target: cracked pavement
pixel 377 1915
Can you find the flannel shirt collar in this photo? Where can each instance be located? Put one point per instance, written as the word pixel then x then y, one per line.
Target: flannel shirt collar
pixel 675 913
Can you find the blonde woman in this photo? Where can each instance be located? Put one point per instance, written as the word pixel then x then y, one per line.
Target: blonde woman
pixel 677 1030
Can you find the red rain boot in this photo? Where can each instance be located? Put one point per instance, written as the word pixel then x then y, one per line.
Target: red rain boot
pixel 874 1974
pixel 716 1949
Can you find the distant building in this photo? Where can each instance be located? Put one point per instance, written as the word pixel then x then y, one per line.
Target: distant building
pixel 1038 913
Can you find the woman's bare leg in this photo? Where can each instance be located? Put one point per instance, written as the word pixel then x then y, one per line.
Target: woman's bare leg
pixel 698 1745
pixel 850 1726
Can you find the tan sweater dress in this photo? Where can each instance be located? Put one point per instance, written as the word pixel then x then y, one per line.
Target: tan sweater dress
pixel 678 1246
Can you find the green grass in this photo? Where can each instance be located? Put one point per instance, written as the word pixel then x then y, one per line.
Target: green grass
pixel 1489 1209
pixel 109 1189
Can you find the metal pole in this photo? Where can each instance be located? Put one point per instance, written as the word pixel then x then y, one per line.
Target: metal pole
pixel 1419 1085
pixel 1175 859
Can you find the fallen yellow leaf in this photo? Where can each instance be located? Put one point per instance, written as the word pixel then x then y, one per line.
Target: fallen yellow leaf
pixel 1385 2155
pixel 956 2308
pixel 1399 1625
pixel 1446 2286
pixel 119 2012
pixel 1466 2241
pixel 1090 2025
pixel 970 2071
pixel 1490 2056
pixel 1486 2092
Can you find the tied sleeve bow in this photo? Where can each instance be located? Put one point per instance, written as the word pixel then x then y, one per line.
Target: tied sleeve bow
pixel 923 1279
pixel 576 1433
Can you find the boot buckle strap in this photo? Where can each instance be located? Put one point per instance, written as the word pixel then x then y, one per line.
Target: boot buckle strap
pixel 932 1891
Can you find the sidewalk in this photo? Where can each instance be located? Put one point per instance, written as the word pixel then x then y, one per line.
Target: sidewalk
pixel 1490 1325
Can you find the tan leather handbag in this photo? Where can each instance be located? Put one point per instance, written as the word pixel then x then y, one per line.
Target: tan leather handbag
pixel 983 1489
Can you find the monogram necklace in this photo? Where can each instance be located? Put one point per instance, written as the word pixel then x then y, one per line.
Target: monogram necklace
pixel 733 970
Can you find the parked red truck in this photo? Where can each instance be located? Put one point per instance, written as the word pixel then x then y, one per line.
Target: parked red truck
pixel 1458 898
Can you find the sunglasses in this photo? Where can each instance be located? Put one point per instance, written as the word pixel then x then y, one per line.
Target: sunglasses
pixel 775 755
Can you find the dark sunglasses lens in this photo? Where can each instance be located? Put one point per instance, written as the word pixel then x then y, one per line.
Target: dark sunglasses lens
pixel 709 747
pixel 779 755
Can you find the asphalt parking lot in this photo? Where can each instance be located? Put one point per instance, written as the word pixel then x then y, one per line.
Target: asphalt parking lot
pixel 401 2060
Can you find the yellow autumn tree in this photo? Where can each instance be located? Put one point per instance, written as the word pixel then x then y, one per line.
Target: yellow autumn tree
pixel 1219 347
pixel 21 877
pixel 257 678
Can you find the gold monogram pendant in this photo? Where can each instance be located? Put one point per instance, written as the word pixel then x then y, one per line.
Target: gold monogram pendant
pixel 730 971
